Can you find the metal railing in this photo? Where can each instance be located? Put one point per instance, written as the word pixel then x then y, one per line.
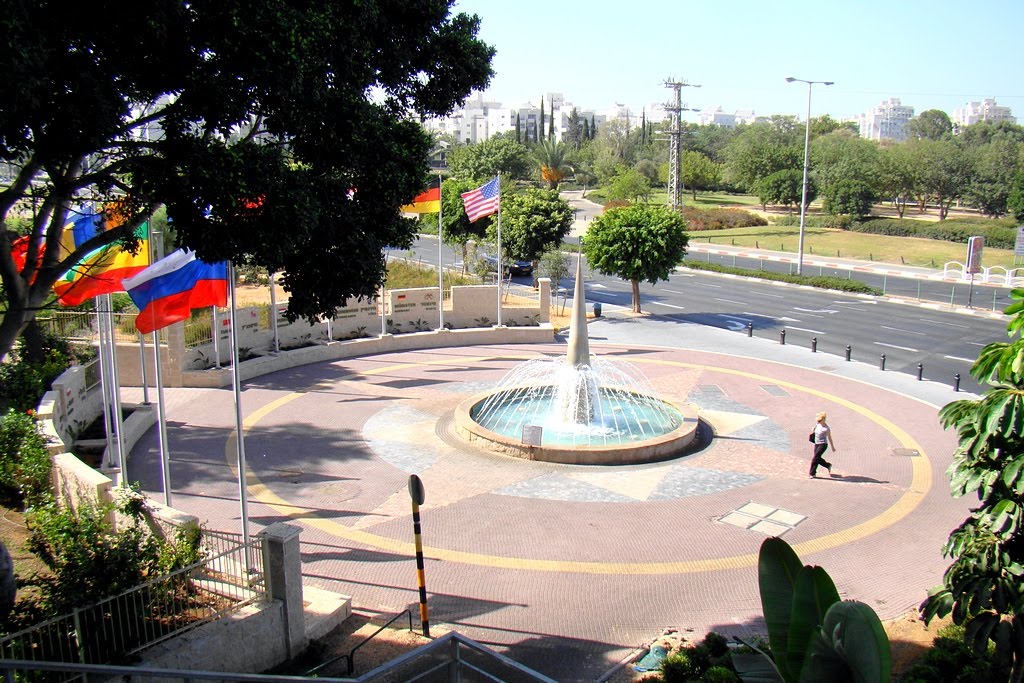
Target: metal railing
pixel 162 608
pixel 452 657
pixel 82 327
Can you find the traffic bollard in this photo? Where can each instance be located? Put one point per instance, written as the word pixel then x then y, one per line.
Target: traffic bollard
pixel 782 337
pixel 920 371
pixel 814 344
pixel 848 351
pixel 750 329
pixel 881 362
pixel 956 382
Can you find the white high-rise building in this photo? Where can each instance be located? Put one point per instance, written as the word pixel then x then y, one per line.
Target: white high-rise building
pixel 886 121
pixel 986 110
pixel 480 120
pixel 719 117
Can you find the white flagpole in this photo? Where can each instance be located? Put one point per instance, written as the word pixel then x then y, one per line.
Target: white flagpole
pixel 243 496
pixel 165 466
pixel 105 381
pixel 440 256
pixel 115 377
pixel 273 313
pixel 145 372
pixel 499 249
pixel 216 336
pixel 383 315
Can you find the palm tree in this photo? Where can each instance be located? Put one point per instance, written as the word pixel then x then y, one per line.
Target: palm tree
pixel 553 158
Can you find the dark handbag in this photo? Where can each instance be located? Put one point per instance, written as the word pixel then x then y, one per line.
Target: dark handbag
pixel 810 437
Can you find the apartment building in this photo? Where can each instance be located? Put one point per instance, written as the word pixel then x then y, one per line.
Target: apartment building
pixel 480 119
pixel 885 121
pixel 986 110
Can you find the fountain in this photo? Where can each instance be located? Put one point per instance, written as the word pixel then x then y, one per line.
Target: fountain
pixel 577 410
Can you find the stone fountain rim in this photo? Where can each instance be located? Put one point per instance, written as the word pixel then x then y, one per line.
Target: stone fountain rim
pixel 656 449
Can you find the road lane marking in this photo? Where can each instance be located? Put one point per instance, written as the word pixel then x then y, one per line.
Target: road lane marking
pixel 804 329
pixel 944 323
pixel 730 301
pixel 898 329
pixel 659 303
pixel 965 360
pixel 893 346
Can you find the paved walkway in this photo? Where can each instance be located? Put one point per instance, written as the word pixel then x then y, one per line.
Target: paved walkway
pixel 568 568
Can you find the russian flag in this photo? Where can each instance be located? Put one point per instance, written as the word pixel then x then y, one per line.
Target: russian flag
pixel 167 291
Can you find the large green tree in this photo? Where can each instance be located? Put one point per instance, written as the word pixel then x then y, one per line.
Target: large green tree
pixel 629 185
pixel 761 149
pixel 199 106
pixel 982 588
pixel 498 154
pixel 931 124
pixel 532 222
pixel 698 172
pixel 784 187
pixel 638 243
pixel 846 172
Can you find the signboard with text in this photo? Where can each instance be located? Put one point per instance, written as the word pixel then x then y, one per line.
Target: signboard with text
pixel 974 248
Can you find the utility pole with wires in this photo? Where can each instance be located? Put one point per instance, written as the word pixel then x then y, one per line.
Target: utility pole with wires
pixel 675 187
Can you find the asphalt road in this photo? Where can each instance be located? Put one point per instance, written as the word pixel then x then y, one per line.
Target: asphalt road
pixel 944 342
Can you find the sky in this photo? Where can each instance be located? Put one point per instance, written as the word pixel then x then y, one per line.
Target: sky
pixel 935 54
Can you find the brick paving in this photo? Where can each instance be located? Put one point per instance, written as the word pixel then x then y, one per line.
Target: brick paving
pixel 568 568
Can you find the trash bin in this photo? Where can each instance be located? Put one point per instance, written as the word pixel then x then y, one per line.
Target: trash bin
pixel 597 310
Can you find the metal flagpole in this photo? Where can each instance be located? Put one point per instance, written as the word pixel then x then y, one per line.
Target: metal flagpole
pixel 105 381
pixel 216 337
pixel 499 249
pixel 115 377
pixel 273 314
pixel 145 372
pixel 440 256
pixel 239 436
pixel 165 466
pixel 383 316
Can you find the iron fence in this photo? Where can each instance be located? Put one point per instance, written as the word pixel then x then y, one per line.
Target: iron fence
pixel 78 326
pixel 229 577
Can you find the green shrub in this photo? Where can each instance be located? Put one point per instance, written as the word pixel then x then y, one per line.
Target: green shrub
pixel 839 221
pixel 720 674
pixel 677 668
pixel 998 234
pixel 24 462
pixel 717 644
pixel 698 219
pixel 23 382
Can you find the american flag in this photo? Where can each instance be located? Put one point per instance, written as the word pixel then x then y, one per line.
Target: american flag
pixel 483 201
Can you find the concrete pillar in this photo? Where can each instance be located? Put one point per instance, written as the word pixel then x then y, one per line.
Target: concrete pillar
pixel 283 567
pixel 544 292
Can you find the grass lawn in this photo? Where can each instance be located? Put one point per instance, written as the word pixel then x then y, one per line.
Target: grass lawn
pixel 912 251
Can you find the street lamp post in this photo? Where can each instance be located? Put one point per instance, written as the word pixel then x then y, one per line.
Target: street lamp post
pixel 803 195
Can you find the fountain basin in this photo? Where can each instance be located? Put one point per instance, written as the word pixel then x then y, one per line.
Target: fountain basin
pixel 647 430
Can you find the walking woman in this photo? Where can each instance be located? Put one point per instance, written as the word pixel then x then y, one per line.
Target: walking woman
pixel 822 440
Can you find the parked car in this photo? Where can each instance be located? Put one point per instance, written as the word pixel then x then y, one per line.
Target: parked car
pixel 515 267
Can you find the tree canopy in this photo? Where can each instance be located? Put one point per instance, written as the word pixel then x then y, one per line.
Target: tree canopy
pixel 637 243
pixel 275 135
pixel 484 160
pixel 532 221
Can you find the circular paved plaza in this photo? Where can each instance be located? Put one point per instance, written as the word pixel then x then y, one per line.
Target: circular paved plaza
pixel 567 568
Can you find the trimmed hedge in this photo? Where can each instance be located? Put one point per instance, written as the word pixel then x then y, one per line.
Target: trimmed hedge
pixel 997 234
pixel 824 221
pixel 823 282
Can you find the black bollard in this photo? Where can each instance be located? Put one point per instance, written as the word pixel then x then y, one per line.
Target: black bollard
pixel 750 329
pixel 956 382
pixel 881 362
pixel 814 344
pixel 782 337
pixel 920 371
pixel 848 351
